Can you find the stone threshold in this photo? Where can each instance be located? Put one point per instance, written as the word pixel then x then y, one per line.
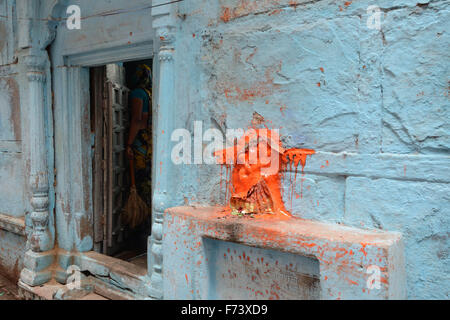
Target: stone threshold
pixel 131 281
pixel 102 278
pixel 52 289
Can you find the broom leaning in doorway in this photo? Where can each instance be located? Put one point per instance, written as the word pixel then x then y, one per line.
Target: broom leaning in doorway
pixel 136 210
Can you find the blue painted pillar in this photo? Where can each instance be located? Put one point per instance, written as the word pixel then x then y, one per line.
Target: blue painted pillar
pixel 162 193
pixel 164 22
pixel 39 257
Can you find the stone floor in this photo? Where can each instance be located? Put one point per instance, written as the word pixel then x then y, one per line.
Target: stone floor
pixel 48 290
pixel 135 257
pixel 140 261
pixel 8 289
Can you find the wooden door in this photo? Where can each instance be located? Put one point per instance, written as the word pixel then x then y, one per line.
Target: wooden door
pixel 97 86
pixel 111 182
pixel 116 116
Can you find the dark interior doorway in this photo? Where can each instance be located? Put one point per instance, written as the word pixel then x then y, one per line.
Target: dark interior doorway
pixel 110 88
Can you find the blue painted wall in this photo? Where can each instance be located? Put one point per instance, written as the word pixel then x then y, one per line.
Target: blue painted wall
pixel 374 104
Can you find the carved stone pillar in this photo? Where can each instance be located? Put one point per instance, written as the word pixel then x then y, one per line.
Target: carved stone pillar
pixel 161 196
pixel 40 241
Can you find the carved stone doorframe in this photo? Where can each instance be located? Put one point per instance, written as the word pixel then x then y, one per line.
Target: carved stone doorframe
pixel 73 201
pixel 164 18
pixel 33 38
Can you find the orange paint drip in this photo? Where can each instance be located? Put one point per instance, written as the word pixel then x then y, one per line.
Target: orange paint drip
pixel 254 182
pixel 296 157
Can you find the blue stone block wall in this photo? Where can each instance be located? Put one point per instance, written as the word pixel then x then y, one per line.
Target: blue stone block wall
pixel 374 104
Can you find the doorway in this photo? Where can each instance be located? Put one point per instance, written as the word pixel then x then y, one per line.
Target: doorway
pixel 110 89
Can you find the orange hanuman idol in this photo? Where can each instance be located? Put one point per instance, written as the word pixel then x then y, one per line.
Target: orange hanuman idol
pixel 258 159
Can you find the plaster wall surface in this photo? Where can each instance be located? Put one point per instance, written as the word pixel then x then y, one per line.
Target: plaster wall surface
pixel 11 160
pixel 104 25
pixel 13 190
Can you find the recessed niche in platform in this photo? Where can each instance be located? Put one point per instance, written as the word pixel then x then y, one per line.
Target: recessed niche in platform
pixel 241 272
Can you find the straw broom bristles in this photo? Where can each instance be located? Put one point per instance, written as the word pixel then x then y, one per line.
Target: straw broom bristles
pixel 135 210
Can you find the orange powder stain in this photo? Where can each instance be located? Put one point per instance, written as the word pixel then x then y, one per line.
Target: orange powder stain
pixel 353 282
pixel 254 182
pixel 277 11
pixel 226 15
pixel 363 249
pixel 293 4
pixel 260 89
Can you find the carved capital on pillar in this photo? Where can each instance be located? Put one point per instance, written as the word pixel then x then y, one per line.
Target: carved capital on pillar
pixel 36 63
pixel 36 67
pixel 166 35
pixel 167 39
pixel 37 77
pixel 165 55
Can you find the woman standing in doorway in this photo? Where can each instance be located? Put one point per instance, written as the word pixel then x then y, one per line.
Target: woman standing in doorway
pixel 139 144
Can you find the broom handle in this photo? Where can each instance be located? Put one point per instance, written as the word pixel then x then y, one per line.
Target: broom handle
pixel 133 181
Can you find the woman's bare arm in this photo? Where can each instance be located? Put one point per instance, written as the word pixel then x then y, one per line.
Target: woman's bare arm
pixel 136 118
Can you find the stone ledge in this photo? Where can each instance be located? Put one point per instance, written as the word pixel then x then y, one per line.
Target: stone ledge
pixel 106 276
pixel 43 292
pixel 12 224
pixel 256 231
pixel 345 254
